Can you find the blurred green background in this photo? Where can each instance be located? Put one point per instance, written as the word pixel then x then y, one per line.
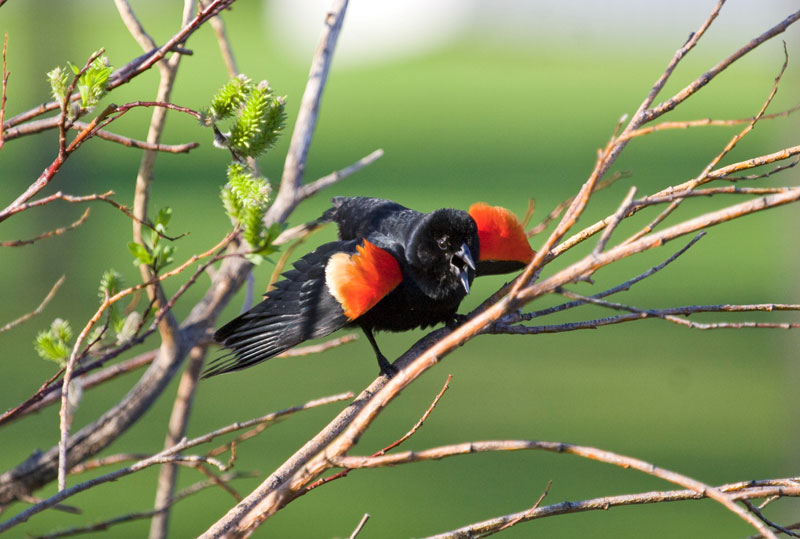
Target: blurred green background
pixel 495 113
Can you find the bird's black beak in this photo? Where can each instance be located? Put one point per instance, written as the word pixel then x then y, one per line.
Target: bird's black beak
pixel 464 256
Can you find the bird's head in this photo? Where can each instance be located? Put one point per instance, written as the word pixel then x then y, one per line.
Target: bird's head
pixel 442 252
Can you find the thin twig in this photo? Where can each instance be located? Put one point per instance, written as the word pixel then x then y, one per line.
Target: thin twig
pixel 139 65
pixel 343 473
pixel 669 314
pixel 303 351
pixel 314 187
pixel 167 455
pixel 24 318
pixel 737 491
pixel 703 177
pixel 176 430
pixel 706 122
pixel 140 515
pixel 276 273
pixel 757 512
pixel 48 234
pixel 294 167
pixel 777 169
pixel 720 173
pixel 4 95
pixel 555 212
pixel 795 526
pixel 64 415
pixel 616 219
pixel 419 423
pixel 708 76
pixel 528 213
pixel 224 44
pixel 619 288
pixel 528 513
pixel 106 461
pixel 558 447
pixel 360 526
pixel 102 197
pixel 39 126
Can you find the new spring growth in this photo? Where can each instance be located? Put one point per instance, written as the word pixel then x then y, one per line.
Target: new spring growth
pixel 246 198
pixel 91 84
pixel 258 116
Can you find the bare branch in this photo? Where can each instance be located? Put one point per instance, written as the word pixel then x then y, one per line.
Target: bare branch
pixel 590 264
pixel 24 318
pixel 295 165
pixel 135 28
pixel 706 122
pixel 704 175
pixel 106 524
pixel 529 512
pixel 616 219
pixel 360 526
pixel 319 348
pixel 224 45
pixel 708 76
pixel 48 234
pixel 4 94
pixel 178 421
pixel 619 288
pixel 555 212
pixel 558 447
pixel 304 233
pixel 39 126
pixel 312 188
pixel 65 414
pixel 668 314
pixel 737 491
pixel 640 116
pixel 757 512
pixel 139 65
pixel 406 436
pixel 168 455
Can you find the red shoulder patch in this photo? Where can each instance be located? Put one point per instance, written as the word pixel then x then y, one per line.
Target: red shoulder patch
pixel 501 234
pixel 360 280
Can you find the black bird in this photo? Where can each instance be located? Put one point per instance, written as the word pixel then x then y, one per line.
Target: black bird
pixel 393 269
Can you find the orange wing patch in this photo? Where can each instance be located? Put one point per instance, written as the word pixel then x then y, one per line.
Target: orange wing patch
pixel 360 280
pixel 501 234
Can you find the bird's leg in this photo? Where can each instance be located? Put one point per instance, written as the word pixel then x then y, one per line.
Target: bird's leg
pixel 386 368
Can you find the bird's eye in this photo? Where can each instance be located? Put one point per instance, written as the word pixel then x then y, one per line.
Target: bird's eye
pixel 442 242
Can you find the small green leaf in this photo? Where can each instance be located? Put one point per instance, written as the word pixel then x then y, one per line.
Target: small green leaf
pixel 163 217
pixel 140 253
pixel 92 84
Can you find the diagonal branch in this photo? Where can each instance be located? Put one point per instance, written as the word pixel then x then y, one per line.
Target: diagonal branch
pixel 738 491
pixel 295 165
pixel 558 447
pixel 49 233
pixel 24 318
pixel 167 455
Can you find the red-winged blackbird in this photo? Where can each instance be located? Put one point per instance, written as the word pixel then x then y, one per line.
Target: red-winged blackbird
pixel 393 269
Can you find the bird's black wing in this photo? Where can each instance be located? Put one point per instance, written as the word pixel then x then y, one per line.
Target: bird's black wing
pixel 299 308
pixel 361 217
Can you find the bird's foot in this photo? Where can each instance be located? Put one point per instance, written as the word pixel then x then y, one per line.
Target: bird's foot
pixel 386 368
pixel 456 321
